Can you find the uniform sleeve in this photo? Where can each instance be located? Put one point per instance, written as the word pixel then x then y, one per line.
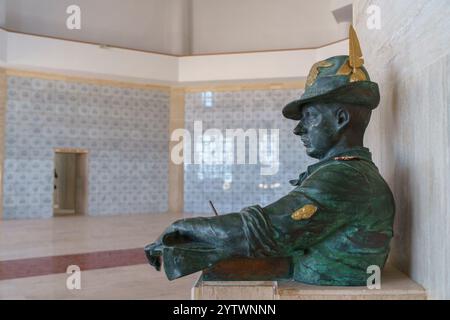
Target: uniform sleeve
pixel 335 191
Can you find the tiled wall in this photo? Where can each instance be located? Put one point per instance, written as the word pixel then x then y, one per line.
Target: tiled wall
pixel 125 131
pixel 232 187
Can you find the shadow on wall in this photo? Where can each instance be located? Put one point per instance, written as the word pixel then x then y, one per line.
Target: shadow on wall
pixel 399 178
pixel 402 242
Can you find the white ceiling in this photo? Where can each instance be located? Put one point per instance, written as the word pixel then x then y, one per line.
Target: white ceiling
pixel 184 27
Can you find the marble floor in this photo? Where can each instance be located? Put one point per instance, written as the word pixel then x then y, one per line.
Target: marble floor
pixel 34 255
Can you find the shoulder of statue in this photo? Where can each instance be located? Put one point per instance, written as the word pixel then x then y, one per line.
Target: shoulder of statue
pixel 333 165
pixel 337 163
pixel 335 172
pixel 355 162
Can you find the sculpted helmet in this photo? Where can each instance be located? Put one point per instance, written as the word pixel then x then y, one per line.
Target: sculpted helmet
pixel 338 79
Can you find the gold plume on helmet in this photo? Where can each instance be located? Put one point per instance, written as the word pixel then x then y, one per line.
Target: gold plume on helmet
pixel 355 59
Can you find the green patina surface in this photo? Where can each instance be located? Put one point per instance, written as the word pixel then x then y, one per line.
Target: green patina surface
pixel 347 209
pixel 350 231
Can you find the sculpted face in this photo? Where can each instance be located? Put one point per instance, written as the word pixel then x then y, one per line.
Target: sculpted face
pixel 320 128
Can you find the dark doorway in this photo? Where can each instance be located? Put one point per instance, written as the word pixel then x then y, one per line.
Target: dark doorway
pixel 70 183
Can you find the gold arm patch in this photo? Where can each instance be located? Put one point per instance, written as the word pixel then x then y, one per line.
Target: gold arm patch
pixel 305 212
pixel 346 158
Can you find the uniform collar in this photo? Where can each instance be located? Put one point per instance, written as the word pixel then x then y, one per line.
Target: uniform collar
pixel 360 153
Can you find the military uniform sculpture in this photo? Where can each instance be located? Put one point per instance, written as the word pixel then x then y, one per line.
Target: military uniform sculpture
pixel 338 219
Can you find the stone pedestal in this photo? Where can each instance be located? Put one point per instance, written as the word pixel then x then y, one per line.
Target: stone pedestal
pixel 394 286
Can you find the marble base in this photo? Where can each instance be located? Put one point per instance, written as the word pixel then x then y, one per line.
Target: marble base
pixel 394 286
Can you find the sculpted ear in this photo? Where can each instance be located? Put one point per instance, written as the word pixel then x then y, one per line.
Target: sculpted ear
pixel 343 118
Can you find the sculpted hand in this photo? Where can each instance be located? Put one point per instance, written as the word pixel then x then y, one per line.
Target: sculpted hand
pixel 153 252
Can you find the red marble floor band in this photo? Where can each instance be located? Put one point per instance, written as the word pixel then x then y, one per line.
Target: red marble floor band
pixel 31 267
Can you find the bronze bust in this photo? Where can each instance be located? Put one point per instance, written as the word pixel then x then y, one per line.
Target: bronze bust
pixel 338 219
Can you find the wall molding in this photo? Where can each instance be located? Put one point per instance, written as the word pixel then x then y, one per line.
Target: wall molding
pixel 240 86
pixel 86 80
pixel 214 87
pixel 176 172
pixel 71 150
pixel 78 59
pixel 174 55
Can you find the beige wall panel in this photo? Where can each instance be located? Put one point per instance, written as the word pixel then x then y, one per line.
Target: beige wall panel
pixel 176 172
pixel 409 132
pixel 3 85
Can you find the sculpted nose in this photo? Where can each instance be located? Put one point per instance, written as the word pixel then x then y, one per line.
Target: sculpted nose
pixel 299 129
